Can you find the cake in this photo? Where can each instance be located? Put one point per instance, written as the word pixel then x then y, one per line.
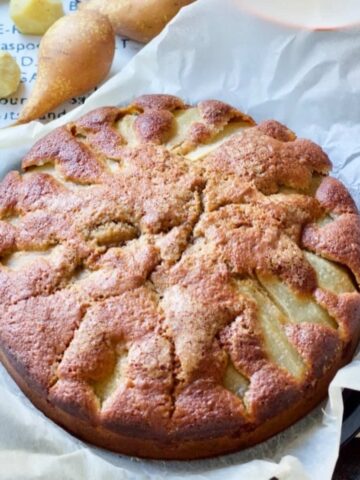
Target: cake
pixel 176 282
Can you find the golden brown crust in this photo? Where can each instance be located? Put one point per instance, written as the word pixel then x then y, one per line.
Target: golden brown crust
pixel 334 197
pixel 346 309
pixel 154 126
pixel 159 102
pixel 74 159
pixel 338 241
pixel 156 295
pixel 217 114
pixel 319 345
pixel 276 130
pixel 268 162
pixel 99 128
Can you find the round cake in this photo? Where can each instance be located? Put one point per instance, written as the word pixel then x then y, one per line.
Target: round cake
pixel 176 282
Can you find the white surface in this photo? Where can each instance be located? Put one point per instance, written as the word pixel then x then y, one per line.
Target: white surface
pixel 25 49
pixel 308 80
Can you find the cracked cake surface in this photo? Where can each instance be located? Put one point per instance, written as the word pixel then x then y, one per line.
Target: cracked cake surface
pixel 176 282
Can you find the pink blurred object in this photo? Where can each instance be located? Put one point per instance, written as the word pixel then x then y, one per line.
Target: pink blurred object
pixel 310 14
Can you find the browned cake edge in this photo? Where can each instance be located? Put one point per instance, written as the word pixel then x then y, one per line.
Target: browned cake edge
pixel 187 449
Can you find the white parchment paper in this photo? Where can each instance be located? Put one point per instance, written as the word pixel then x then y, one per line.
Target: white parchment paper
pixel 309 80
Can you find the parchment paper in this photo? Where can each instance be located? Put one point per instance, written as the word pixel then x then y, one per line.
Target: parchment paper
pixel 309 80
pixel 24 48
